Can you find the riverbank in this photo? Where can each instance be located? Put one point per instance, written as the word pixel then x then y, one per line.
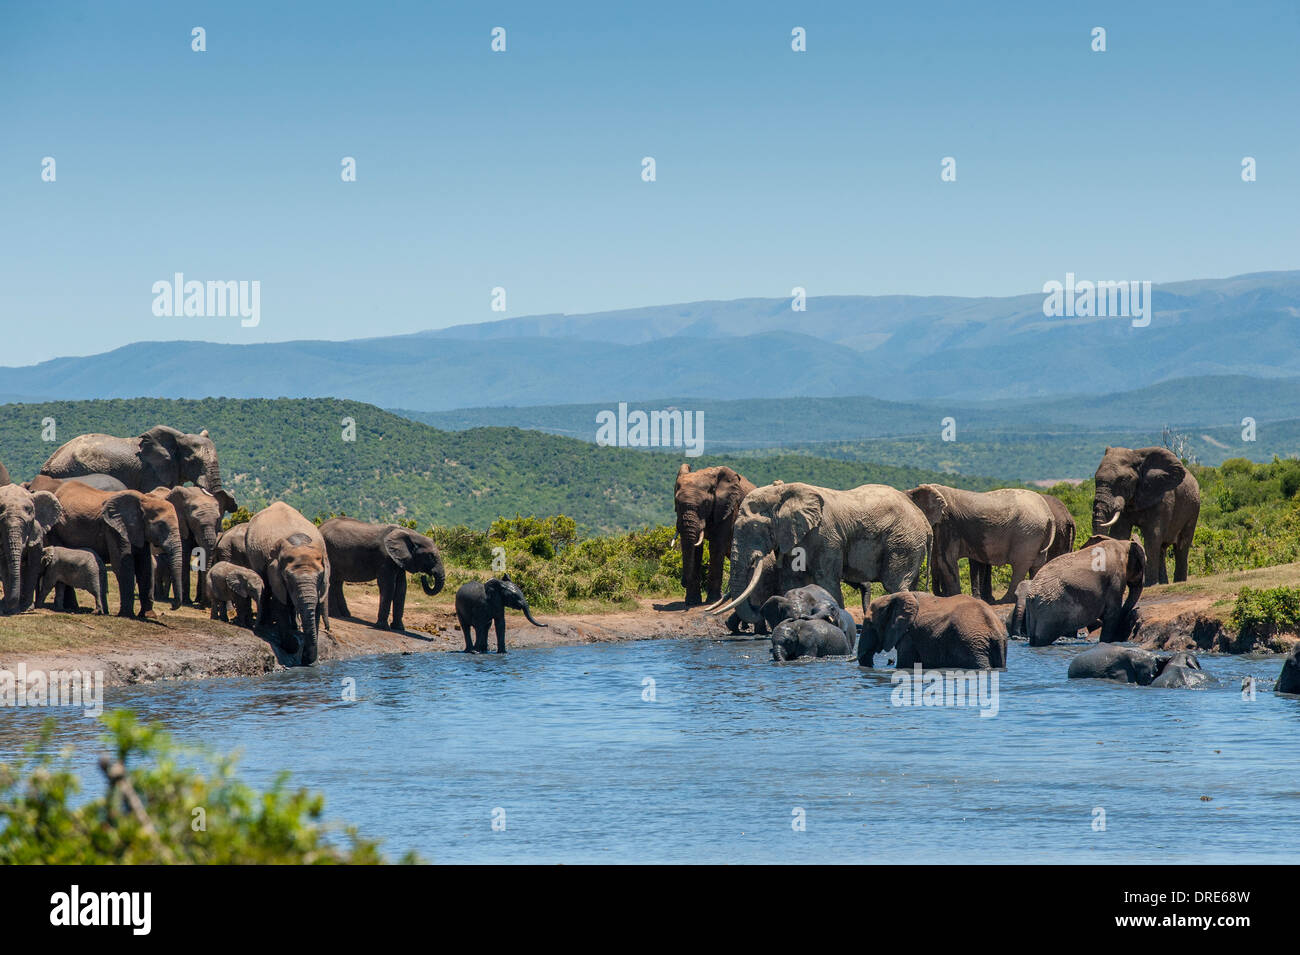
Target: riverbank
pixel 185 644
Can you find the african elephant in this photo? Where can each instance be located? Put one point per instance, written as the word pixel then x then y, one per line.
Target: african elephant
pixel 960 631
pixel 480 604
pixel 288 552
pixel 1072 591
pixel 4 475
pixel 199 515
pixel 981 577
pixel 1119 664
pixel 707 502
pixel 823 536
pixel 232 546
pixel 810 601
pixel 229 584
pixel 809 637
pixel 1006 526
pixel 1181 670
pixel 26 520
pixel 121 527
pixel 64 569
pixel 1151 490
pixel 161 457
pixel 1288 681
pixel 360 551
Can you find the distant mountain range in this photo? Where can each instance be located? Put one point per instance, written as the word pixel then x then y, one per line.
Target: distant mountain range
pixel 897 348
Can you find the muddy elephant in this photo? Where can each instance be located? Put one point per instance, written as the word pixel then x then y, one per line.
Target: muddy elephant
pixel 288 552
pixel 809 637
pixel 229 584
pixel 232 546
pixel 161 457
pixel 822 536
pixel 1288 681
pixel 1118 664
pixel 1151 490
pixel 960 631
pixel 707 502
pixel 1073 591
pixel 360 551
pixel 123 528
pixel 199 515
pixel 64 570
pixel 480 604
pixel 26 521
pixel 1181 670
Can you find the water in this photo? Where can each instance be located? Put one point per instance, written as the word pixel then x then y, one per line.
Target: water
pixel 713 769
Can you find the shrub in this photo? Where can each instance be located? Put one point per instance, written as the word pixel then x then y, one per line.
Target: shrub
pixel 1263 613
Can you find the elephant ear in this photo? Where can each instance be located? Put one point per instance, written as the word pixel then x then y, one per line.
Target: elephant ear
pixel 123 513
pixel 158 449
pixel 398 547
pixel 930 500
pixel 1159 473
pixel 49 512
pixel 726 496
pixel 898 618
pixel 682 471
pixel 1136 571
pixel 797 514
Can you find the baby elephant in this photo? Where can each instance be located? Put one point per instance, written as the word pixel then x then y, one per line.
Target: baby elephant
pixel 480 604
pixel 809 637
pixel 229 583
pixel 809 603
pixel 66 568
pixel 961 632
pixel 1106 661
pixel 1181 670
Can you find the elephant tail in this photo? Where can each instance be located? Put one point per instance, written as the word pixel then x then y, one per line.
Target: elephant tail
pixel 929 561
pixel 1051 537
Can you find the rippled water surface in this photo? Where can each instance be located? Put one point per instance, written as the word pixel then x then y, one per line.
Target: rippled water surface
pixel 714 768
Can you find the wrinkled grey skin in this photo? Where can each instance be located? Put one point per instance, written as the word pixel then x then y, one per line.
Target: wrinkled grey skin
pixel 161 457
pixel 288 552
pixel 959 631
pixel 100 482
pixel 229 584
pixel 1181 670
pixel 25 521
pixel 809 601
pixel 869 533
pixel 981 576
pixel 481 604
pixel 360 551
pixel 805 637
pixel 198 514
pixel 232 546
pixel 1119 664
pixel 1071 593
pixel 64 569
pixel 1151 490
pixel 1288 681
pixel 707 502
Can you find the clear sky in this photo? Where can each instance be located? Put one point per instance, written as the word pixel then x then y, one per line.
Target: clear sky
pixel 522 169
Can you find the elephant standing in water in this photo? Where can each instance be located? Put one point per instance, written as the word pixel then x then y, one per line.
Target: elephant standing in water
pixel 288 552
pixel 479 605
pixel 1151 490
pixel 25 521
pixel 1074 590
pixel 958 631
pixel 161 457
pixel 707 503
pixel 360 551
pixel 1288 681
pixel 793 534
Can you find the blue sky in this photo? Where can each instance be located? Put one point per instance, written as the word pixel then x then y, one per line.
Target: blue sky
pixel 522 169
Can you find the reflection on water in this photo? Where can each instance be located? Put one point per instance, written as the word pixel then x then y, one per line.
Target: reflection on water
pixel 713 769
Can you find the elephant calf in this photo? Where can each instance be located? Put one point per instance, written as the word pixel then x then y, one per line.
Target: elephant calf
pixel 809 637
pixel 64 568
pixel 229 583
pixel 1288 681
pixel 1181 670
pixel 480 604
pixel 961 632
pixel 1072 591
pixel 1118 664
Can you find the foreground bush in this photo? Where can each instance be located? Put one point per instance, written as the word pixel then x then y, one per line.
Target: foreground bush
pixel 157 809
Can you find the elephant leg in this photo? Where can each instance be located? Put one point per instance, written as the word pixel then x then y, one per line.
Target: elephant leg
pixel 718 548
pixel 469 642
pixel 481 634
pixel 123 568
pixel 399 600
pixel 187 554
pixel 385 597
pixel 1018 573
pixel 734 622
pixel 143 562
pixel 501 632
pixel 1181 550
pixel 338 603
pixel 986 582
pixel 161 585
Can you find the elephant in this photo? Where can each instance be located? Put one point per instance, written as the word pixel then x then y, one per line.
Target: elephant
pixel 359 551
pixel 229 583
pixel 1072 591
pixel 811 601
pixel 1119 664
pixel 161 457
pixel 1151 490
pixel 1288 681
pixel 823 536
pixel 232 546
pixel 64 569
pixel 479 604
pixel 4 475
pixel 199 515
pixel 1007 526
pixel 981 577
pixel 100 482
pixel 122 527
pixel 809 637
pixel 26 521
pixel 288 552
pixel 707 502
pixel 1181 670
pixel 960 631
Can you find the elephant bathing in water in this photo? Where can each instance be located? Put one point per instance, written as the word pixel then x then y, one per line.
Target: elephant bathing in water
pixel 809 637
pixel 788 535
pixel 959 631
pixel 287 551
pixel 360 552
pixel 1073 591
pixel 1121 664
pixel 707 503
pixel 1151 490
pixel 479 605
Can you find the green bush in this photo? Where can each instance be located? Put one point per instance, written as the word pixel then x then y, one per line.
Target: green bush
pixel 1262 613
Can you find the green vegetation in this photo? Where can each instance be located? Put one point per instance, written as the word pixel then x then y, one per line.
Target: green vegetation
pixel 159 807
pixel 1261 614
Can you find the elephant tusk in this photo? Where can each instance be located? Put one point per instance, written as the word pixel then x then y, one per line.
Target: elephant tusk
pixel 673 543
pixel 753 582
pixel 1109 523
pixel 700 542
pixel 717 603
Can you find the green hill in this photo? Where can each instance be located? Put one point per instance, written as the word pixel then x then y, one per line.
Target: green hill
pixel 292 449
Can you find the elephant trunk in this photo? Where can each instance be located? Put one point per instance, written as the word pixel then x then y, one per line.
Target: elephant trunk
pixel 439 578
pixel 528 615
pixel 306 599
pixel 176 560
pixel 1103 506
pixel 13 565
